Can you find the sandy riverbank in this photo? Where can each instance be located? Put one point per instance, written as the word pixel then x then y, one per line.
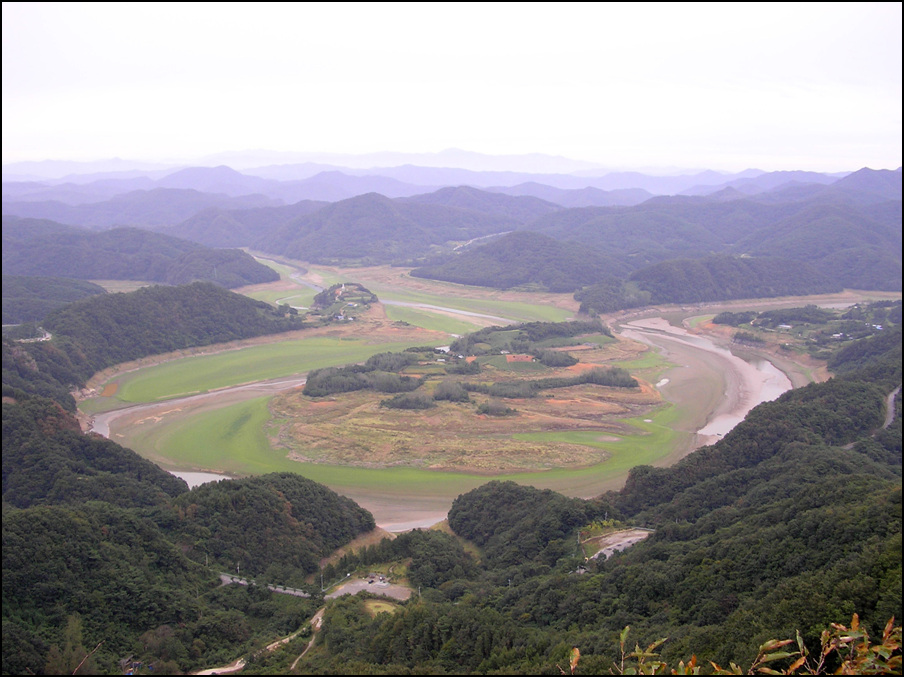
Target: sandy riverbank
pixel 714 387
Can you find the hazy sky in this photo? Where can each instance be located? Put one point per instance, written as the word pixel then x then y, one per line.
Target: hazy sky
pixel 726 86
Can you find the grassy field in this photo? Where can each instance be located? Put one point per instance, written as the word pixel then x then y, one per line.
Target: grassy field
pixel 425 319
pixel 239 439
pixel 208 372
pixel 302 298
pixel 234 440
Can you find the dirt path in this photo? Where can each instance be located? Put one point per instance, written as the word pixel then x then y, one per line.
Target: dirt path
pixel 238 665
pixel 617 541
pixel 890 407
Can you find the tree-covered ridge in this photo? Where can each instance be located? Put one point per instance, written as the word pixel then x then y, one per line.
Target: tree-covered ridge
pixel 33 249
pixel 156 208
pixel 716 278
pixel 514 524
pixel 695 249
pixel 116 328
pixel 223 227
pixel 100 331
pixel 522 208
pixel 372 229
pixel 526 258
pixel 279 525
pixel 47 460
pixel 29 299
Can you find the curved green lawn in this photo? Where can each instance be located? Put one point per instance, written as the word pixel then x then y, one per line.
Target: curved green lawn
pixel 256 363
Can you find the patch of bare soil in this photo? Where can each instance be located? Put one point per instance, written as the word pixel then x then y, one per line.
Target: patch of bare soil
pixel 616 541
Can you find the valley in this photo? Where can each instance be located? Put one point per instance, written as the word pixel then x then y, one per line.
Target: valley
pixel 406 468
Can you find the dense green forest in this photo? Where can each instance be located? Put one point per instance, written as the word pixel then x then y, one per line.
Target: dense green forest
pixel 29 299
pixel 33 248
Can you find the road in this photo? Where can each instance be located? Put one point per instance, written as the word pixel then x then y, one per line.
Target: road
pixel 101 423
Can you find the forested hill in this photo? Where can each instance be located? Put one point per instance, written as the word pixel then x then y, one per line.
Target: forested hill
pixel 374 229
pixel 103 548
pixel 29 299
pixel 37 248
pixel 715 278
pixel 220 227
pixel 101 331
pixel 522 208
pixel 525 258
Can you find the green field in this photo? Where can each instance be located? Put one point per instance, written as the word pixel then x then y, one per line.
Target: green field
pixel 233 439
pixel 513 310
pixel 199 374
pixel 303 297
pixel 423 318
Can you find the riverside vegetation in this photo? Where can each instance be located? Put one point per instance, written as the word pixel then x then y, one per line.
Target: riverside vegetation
pixel 789 524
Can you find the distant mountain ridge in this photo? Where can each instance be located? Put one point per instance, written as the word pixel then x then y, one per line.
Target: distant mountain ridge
pixel 36 248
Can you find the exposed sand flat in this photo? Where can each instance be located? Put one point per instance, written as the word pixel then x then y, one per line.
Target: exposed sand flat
pixel 722 402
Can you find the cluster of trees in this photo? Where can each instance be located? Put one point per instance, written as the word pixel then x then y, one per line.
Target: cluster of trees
pixel 822 327
pixel 528 337
pixel 735 319
pixel 613 377
pixel 380 372
pixel 344 291
pixel 377 373
pixel 432 558
pixel 810 314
